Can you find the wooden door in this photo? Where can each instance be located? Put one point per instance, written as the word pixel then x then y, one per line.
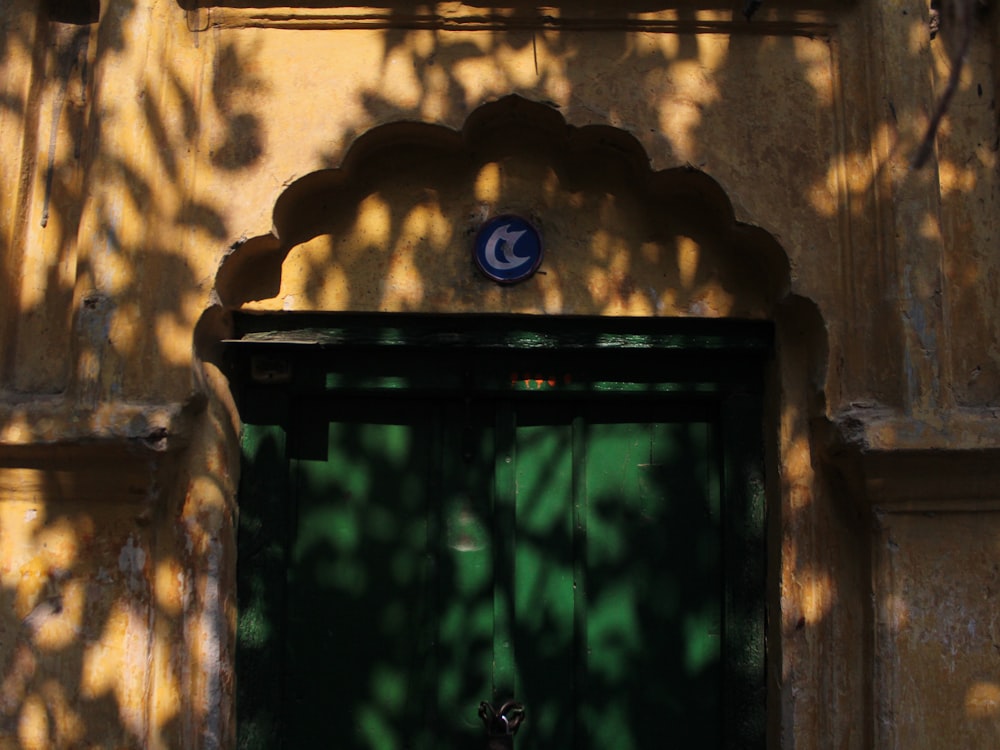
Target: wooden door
pixel 409 551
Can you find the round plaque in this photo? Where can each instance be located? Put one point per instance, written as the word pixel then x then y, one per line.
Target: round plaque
pixel 508 249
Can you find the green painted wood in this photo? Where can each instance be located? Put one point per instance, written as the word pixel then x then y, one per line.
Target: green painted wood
pixel 359 605
pixel 581 581
pixel 466 573
pixel 262 537
pixel 461 332
pixel 654 583
pixel 505 534
pixel 598 555
pixel 544 575
pixel 745 572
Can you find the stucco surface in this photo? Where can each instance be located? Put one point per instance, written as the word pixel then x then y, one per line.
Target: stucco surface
pixel 938 628
pixel 167 163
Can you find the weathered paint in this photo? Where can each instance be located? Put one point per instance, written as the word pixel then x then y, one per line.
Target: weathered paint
pixel 145 154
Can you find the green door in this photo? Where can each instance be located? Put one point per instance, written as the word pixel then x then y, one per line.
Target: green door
pixel 567 534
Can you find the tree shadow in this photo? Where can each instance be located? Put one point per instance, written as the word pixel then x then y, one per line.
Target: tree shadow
pixel 616 117
pixel 402 570
pixel 101 573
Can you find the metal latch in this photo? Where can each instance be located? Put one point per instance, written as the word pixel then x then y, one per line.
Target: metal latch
pixel 501 724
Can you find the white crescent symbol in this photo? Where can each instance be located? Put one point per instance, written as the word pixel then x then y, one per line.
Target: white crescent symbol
pixel 509 239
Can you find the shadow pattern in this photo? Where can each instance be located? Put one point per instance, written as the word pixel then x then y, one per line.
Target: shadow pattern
pixel 587 539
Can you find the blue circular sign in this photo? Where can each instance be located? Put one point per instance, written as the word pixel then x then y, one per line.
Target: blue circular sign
pixel 508 249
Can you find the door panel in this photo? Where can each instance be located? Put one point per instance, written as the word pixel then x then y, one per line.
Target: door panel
pixel 360 582
pixel 447 553
pixel 546 633
pixel 653 595
pixel 422 550
pixel 617 578
pixel 464 586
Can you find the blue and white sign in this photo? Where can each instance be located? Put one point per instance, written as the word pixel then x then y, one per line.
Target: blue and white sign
pixel 508 249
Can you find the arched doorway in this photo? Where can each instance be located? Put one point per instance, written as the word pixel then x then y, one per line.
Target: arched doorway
pixel 633 256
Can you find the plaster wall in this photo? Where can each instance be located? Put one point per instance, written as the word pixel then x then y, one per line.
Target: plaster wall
pixel 166 163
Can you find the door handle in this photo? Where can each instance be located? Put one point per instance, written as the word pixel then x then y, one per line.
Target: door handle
pixel 501 723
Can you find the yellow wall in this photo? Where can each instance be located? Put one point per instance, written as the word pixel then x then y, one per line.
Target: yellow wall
pixel 164 163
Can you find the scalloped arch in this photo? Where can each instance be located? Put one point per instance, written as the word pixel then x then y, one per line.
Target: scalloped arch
pixel 388 230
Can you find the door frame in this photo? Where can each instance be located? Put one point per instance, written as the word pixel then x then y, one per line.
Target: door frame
pixel 278 363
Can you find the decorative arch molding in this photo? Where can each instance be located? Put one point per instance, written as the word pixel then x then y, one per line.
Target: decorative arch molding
pixel 518 156
pixel 409 196
pixel 569 180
